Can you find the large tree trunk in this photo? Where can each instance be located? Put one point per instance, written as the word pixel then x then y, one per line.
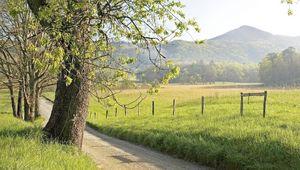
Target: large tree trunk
pixel 67 121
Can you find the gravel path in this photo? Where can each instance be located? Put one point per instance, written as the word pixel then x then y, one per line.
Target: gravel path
pixel 114 154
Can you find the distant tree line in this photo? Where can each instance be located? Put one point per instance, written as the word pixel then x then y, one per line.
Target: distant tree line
pixel 276 69
pixel 211 72
pixel 281 69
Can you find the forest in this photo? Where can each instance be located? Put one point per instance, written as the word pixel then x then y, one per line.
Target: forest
pixel 201 73
pixel 281 69
pixel 276 69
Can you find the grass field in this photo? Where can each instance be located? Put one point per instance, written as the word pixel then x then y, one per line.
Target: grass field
pixel 221 137
pixel 21 146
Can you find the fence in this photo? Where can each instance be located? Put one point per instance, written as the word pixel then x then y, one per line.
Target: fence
pixel 243 95
pixel 264 94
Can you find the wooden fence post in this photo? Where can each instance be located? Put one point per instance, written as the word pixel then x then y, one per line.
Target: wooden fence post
pixel 106 114
pixel 116 112
pixel 174 106
pixel 202 108
pixel 242 104
pixel 265 104
pixel 153 107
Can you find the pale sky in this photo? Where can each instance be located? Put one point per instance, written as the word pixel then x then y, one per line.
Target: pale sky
pixel 216 17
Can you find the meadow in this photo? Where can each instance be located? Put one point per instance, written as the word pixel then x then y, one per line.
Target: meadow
pixel 219 138
pixel 22 147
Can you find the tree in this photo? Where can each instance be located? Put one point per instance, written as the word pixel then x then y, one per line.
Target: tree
pixel 22 53
pixel 85 31
pixel 7 69
pixel 210 73
pixel 289 3
pixel 281 69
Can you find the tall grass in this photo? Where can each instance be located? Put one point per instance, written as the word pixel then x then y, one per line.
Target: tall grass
pixel 21 146
pixel 221 137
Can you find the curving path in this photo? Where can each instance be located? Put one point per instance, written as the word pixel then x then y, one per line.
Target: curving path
pixel 114 154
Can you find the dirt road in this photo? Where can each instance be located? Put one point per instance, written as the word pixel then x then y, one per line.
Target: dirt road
pixel 114 154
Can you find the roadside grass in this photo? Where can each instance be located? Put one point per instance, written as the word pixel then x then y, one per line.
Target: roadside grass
pixel 21 145
pixel 4 102
pixel 220 138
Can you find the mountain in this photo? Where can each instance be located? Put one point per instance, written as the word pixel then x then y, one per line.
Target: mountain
pixel 245 33
pixel 245 44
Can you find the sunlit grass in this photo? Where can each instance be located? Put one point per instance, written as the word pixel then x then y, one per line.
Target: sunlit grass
pixel 219 138
pixel 4 102
pixel 21 146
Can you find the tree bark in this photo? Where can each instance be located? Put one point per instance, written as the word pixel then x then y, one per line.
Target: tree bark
pixel 27 99
pixel 67 121
pixel 26 109
pixel 32 100
pixel 37 98
pixel 20 98
pixel 12 99
pixel 29 96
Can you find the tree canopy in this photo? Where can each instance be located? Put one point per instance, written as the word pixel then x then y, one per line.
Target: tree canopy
pixel 84 32
pixel 211 72
pixel 281 69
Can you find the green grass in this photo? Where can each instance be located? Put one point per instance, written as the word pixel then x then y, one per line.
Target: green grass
pixel 221 137
pixel 4 102
pixel 21 146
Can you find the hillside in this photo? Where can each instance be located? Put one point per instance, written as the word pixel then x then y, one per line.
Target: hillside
pixel 243 45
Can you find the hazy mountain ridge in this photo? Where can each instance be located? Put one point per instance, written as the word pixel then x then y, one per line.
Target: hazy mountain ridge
pixel 243 45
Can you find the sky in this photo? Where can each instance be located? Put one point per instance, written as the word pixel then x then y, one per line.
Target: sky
pixel 216 17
